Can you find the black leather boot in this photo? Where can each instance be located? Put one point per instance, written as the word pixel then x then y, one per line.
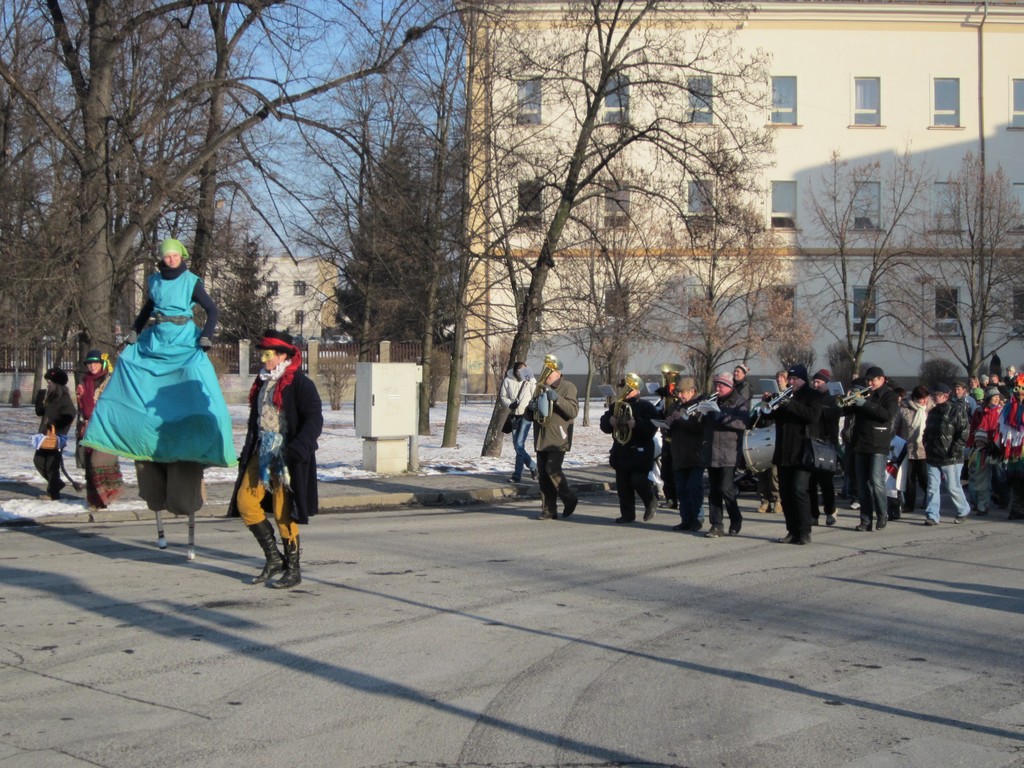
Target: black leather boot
pixel 264 534
pixel 291 576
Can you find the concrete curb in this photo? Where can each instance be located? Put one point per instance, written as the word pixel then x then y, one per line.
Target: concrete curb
pixel 334 504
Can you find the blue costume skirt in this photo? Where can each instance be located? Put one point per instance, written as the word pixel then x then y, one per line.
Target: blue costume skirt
pixel 164 403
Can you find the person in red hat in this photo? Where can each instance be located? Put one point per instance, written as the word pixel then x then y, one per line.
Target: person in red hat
pixel 277 468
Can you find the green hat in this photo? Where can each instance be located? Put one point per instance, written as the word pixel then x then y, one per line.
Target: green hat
pixel 170 245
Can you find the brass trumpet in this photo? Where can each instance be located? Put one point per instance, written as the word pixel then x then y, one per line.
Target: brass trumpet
pixel 777 401
pixel 844 401
pixel 623 411
pixel 542 411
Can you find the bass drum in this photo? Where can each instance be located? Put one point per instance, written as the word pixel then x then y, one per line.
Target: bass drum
pixel 758 448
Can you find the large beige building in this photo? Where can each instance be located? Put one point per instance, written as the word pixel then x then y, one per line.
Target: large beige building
pixel 871 109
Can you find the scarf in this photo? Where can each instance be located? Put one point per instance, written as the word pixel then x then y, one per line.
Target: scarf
pixel 287 375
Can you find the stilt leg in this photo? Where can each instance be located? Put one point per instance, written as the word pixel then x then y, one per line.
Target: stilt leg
pixel 191 536
pixel 161 540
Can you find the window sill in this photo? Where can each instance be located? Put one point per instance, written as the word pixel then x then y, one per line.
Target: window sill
pixel 867 127
pixel 947 128
pixel 1015 128
pixel 784 125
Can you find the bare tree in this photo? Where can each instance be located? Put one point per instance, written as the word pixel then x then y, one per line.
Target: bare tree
pixel 95 44
pixel 620 79
pixel 729 299
pixel 974 236
pixel 858 240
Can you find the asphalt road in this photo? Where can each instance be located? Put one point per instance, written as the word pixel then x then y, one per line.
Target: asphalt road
pixel 476 636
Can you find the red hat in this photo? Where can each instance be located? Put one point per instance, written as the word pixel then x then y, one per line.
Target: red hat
pixel 824 374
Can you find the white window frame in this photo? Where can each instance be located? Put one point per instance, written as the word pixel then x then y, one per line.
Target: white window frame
pixel 529 216
pixel 616 100
pixel 1017 103
pixel 702 99
pixel 700 197
pixel 783 216
pixel 616 208
pixel 945 117
pixel 865 219
pixel 946 206
pixel 299 288
pixel 863 112
pixel 947 310
pixel 860 294
pixel 783 112
pixel 529 104
pixel 1017 191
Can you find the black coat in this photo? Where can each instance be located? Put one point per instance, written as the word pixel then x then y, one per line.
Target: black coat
pixel 795 421
pixel 55 408
pixel 875 421
pixel 638 452
pixel 945 433
pixel 304 421
pixel 687 438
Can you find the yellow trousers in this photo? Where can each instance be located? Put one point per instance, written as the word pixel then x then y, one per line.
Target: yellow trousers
pixel 250 501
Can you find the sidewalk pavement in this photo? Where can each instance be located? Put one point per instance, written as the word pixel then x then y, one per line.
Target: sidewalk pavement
pixel 448 489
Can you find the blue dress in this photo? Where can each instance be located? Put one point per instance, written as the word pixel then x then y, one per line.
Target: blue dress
pixel 163 402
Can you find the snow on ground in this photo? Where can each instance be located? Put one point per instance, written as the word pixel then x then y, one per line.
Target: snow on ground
pixel 339 457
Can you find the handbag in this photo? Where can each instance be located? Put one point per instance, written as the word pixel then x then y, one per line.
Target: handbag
pixel 820 455
pixel 510 424
pixel 49 441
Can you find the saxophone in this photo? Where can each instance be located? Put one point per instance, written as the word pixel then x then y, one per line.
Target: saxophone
pixel 541 407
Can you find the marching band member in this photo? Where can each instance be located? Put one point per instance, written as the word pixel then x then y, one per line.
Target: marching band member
pixel 796 419
pixel 724 425
pixel 875 412
pixel 825 480
pixel 687 470
pixel 632 453
pixel 669 405
pixel 554 408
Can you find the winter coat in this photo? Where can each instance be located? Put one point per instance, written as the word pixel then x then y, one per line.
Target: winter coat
pixel 723 432
pixel 830 416
pixel 874 422
pixel 638 452
pixel 910 426
pixel 556 434
pixel 945 433
pixel 55 408
pixel 304 420
pixel 795 421
pixel 984 426
pixel 516 392
pixel 687 438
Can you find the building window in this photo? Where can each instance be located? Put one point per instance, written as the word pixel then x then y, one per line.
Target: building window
pixel 784 300
pixel 700 197
pixel 946 112
pixel 867 107
pixel 273 318
pixel 700 100
pixel 947 309
pixel 697 303
pixel 864 308
pixel 867 202
pixel 783 101
pixel 616 208
pixel 1018 194
pixel 272 288
pixel 299 288
pixel 616 101
pixel 784 205
pixel 300 317
pixel 1017 115
pixel 946 206
pixel 530 199
pixel 528 105
pixel 1018 311
pixel 616 301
